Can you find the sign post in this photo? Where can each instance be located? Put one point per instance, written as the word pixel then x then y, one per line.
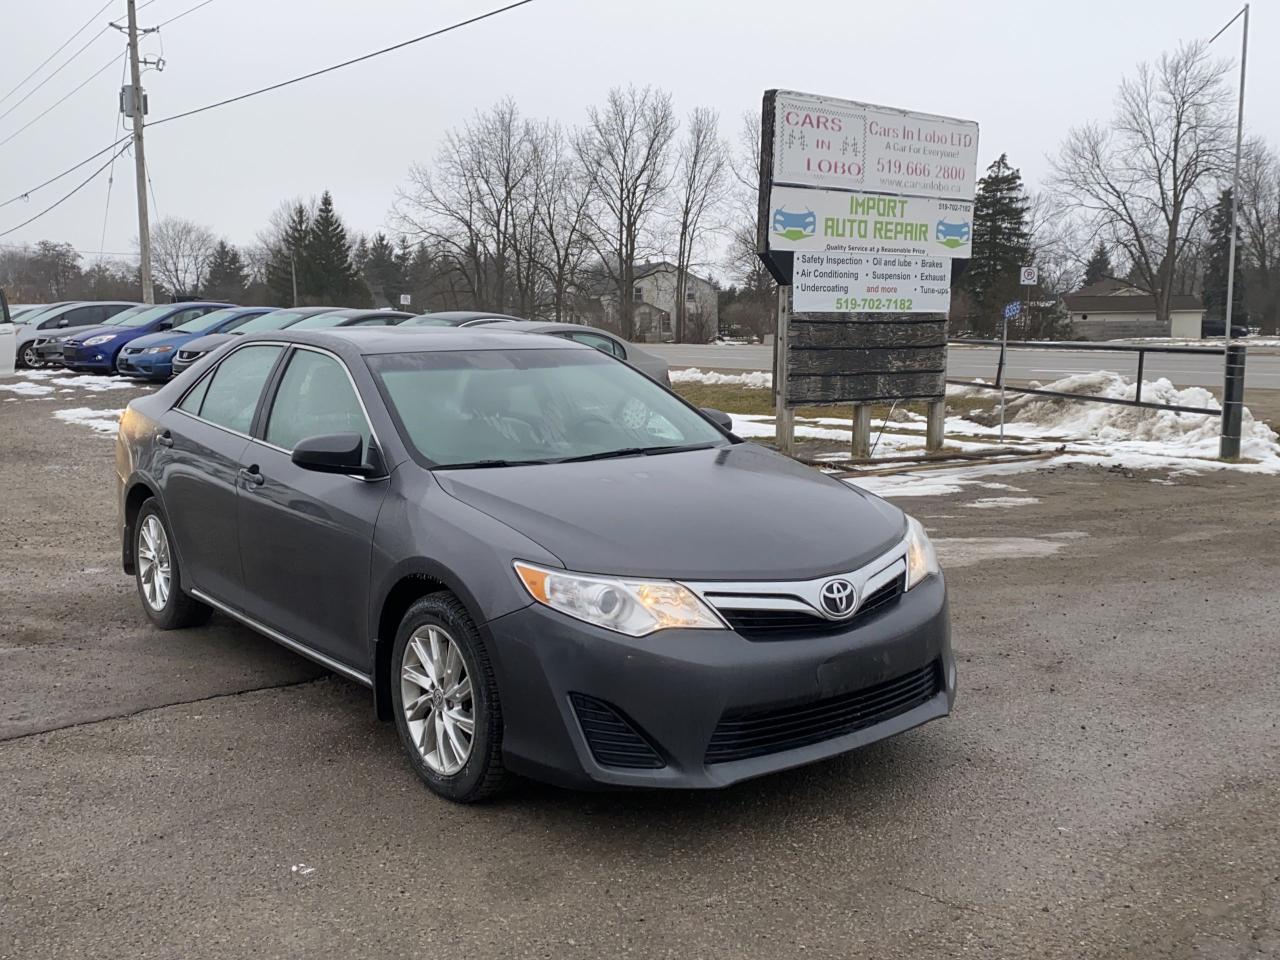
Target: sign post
pixel 1011 310
pixel 861 211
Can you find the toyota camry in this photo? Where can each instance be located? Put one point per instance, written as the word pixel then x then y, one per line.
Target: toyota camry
pixel 538 559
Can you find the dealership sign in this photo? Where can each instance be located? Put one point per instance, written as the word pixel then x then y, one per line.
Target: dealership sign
pixel 822 142
pixel 870 283
pixel 802 218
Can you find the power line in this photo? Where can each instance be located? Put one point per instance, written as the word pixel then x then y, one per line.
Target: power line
pixel 65 43
pixel 89 253
pixel 67 196
pixel 111 172
pixel 64 64
pixel 346 63
pixel 26 194
pixel 165 23
pixel 48 110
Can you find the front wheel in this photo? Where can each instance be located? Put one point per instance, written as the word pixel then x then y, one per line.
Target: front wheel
pixel 156 571
pixel 27 356
pixel 446 701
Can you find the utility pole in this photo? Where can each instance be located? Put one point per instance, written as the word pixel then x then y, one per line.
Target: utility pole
pixel 139 158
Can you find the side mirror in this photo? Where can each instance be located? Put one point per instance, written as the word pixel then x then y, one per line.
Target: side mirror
pixel 722 419
pixel 337 453
pixel 164 325
pixel 62 322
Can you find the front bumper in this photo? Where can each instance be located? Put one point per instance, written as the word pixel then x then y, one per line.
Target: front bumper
pixel 680 691
pixel 152 366
pixel 180 363
pixel 80 357
pixel 50 351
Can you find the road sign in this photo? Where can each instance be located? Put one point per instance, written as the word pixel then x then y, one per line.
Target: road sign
pixel 1028 276
pixel 1012 310
pixel 405 299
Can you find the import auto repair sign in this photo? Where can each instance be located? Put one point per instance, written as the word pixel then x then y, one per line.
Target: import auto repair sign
pixel 862 210
pixel 822 142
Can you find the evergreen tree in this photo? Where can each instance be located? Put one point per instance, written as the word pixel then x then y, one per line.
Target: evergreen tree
pixel 1099 265
pixel 383 272
pixel 288 254
pixel 227 279
pixel 331 274
pixel 1215 271
pixel 1001 244
pixel 360 253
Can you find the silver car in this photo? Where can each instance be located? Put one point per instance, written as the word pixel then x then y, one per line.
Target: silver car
pixel 602 340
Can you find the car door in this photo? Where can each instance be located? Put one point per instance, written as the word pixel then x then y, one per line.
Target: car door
pixel 204 444
pixel 306 537
pixel 88 316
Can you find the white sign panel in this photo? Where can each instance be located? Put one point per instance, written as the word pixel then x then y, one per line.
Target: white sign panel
pixel 821 142
pixel 1028 276
pixel 801 218
pixel 870 283
pixel 405 299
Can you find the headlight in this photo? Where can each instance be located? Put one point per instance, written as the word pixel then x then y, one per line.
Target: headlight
pixel 921 558
pixel 158 350
pixel 633 607
pixel 104 338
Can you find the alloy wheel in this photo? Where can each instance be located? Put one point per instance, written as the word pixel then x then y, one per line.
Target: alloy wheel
pixel 29 358
pixel 435 690
pixel 155 571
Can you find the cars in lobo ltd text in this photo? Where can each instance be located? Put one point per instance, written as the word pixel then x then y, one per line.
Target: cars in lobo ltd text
pixel 436 514
pixel 151 357
pixel 98 348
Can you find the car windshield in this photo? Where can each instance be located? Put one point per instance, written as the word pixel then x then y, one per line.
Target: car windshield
pixel 429 322
pixel 484 408
pixel 139 316
pixel 206 321
pixel 275 320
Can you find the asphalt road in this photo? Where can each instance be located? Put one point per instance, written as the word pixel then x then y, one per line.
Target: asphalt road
pixel 1262 370
pixel 1107 786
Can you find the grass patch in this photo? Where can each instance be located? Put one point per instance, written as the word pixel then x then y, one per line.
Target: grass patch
pixel 733 398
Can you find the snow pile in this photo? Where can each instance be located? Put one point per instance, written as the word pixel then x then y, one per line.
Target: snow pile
pixel 103 421
pixel 26 389
pixel 753 380
pixel 60 378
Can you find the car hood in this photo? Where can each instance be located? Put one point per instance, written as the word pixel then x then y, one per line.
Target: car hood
pixel 161 339
pixel 727 513
pixel 81 334
pixel 206 342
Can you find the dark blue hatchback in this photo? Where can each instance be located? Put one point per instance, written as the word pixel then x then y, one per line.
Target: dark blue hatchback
pixel 152 356
pixel 97 348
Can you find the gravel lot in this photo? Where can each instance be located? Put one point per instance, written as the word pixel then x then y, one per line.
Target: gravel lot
pixel 1107 787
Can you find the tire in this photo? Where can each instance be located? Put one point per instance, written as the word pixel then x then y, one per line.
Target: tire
pixel 27 357
pixel 438 712
pixel 157 574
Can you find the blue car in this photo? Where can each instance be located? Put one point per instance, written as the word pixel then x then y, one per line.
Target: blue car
pixel 151 357
pixel 95 350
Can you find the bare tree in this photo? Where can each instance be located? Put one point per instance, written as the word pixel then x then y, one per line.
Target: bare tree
pixel 1259 214
pixel 1142 180
pixel 624 149
pixel 472 206
pixel 561 197
pixel 180 254
pixel 701 180
pixel 754 310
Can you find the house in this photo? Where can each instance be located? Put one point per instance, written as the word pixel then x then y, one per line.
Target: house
pixel 1112 310
pixel 654 304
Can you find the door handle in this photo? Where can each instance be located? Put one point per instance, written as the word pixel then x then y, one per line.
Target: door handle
pixel 251 475
pixel 165 439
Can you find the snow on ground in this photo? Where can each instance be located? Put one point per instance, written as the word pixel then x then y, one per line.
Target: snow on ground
pixel 103 421
pixel 991 503
pixel 81 381
pixel 754 380
pixel 1210 342
pixel 26 388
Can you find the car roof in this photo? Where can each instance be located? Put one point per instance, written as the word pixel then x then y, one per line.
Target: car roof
pixel 462 316
pixel 550 326
pixel 370 341
pixel 361 313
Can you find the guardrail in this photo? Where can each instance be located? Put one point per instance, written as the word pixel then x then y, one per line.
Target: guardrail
pixel 1233 399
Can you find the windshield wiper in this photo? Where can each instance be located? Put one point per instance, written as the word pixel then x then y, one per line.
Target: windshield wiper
pixel 480 464
pixel 636 452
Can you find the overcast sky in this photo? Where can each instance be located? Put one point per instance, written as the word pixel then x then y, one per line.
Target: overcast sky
pixel 1024 71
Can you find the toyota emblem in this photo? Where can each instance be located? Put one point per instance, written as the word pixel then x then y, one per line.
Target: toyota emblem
pixel 838 598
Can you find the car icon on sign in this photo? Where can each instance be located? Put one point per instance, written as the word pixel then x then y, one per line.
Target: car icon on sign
pixel 952 234
pixel 794 226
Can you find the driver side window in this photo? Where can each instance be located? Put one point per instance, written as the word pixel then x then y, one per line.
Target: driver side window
pixel 315 398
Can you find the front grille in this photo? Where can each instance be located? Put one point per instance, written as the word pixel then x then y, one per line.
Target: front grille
pixel 791 624
pixel 613 739
pixel 187 355
pixel 757 733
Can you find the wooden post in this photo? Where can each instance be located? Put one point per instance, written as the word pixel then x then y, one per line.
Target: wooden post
pixel 783 419
pixel 937 418
pixel 861 431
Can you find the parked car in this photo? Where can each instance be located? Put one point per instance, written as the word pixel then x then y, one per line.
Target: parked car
pixel 1217 327
pixel 352 317
pixel 457 318
pixel 151 357
pixel 540 560
pixel 193 350
pixel 52 324
pixel 97 348
pixel 602 340
pixel 19 310
pixel 50 349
